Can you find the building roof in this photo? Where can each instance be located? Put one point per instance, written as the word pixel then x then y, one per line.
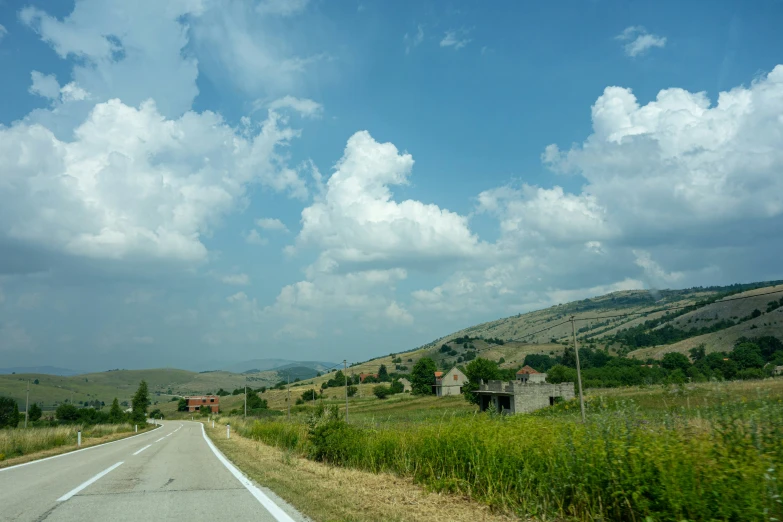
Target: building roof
pixel 438 374
pixel 526 369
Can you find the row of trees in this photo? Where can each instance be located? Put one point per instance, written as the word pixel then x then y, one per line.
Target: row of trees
pixel 67 413
pixel 750 359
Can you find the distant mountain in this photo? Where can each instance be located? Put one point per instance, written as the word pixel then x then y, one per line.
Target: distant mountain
pixel 262 365
pixel 47 370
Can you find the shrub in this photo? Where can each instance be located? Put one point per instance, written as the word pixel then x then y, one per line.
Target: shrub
pixel 381 391
pixel 352 390
pixel 34 413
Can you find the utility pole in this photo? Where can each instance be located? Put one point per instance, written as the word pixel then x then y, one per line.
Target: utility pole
pixel 245 400
pixel 27 404
pixel 345 374
pixel 578 370
pixel 288 399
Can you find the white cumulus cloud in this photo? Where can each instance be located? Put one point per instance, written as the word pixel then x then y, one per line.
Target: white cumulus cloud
pixel 356 219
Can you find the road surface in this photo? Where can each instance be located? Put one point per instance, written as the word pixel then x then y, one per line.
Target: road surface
pixel 171 473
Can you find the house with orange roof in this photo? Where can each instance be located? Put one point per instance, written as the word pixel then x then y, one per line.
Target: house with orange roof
pixel 450 383
pixel 531 375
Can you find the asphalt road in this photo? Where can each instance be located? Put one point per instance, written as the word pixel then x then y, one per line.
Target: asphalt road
pixel 171 473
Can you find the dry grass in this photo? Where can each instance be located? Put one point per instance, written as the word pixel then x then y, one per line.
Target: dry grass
pixel 329 493
pixel 18 446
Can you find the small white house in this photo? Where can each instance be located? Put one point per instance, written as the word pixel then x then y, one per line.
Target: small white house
pixel 449 384
pixel 406 385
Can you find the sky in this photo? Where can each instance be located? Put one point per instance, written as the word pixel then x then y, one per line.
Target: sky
pixel 194 182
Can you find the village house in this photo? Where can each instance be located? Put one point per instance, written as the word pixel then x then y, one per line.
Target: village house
pixel 778 370
pixel 406 385
pixel 196 402
pixel 529 392
pixel 449 384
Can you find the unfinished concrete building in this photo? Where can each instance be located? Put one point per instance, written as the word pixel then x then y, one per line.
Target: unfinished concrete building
pixel 523 395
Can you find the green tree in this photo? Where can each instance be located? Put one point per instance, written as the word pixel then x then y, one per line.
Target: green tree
pixel 204 410
pixel 352 391
pixel 34 413
pixel 423 376
pixel 36 381
pixel 747 355
pixel 156 414
pixel 477 370
pixel 675 361
pixel 254 402
pixel 383 374
pixel 310 395
pixel 116 415
pixel 67 413
pixel 140 403
pixel 698 353
pixel 381 391
pixel 182 405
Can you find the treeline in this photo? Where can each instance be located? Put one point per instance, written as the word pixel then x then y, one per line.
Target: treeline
pixel 750 359
pixel 66 413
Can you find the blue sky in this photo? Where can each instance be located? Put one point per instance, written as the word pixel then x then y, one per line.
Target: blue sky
pixel 189 182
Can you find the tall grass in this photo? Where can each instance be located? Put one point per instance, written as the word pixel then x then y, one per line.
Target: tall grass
pixel 17 442
pixel 722 462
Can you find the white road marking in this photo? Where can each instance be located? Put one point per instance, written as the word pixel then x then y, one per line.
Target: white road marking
pixel 87 483
pixel 268 503
pixel 142 449
pixel 75 451
pixel 160 439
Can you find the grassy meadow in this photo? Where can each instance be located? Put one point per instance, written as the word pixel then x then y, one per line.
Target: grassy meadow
pixel 711 451
pixel 20 442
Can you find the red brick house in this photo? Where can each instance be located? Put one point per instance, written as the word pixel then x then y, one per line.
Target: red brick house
pixel 363 376
pixel 196 402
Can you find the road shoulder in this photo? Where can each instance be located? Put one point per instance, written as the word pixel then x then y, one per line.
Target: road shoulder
pixel 324 492
pixel 62 450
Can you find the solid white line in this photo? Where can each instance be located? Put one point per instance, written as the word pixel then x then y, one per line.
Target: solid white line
pixel 142 449
pixel 74 451
pixel 160 439
pixel 85 484
pixel 268 503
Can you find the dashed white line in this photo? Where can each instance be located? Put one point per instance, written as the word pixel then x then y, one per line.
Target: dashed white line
pixel 160 439
pixel 87 483
pixel 142 449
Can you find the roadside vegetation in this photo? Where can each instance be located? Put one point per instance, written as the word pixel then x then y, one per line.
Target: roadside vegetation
pixel 697 452
pixel 59 429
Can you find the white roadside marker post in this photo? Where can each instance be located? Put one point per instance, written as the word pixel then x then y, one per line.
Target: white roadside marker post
pixel 135 428
pixel 79 439
pixel 213 423
pixel 228 431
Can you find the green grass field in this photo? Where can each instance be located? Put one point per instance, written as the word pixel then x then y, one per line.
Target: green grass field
pixel 698 452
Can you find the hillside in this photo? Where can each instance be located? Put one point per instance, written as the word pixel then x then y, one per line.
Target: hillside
pixel 598 322
pixel 104 386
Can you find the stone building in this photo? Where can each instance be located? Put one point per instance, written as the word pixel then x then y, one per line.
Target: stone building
pixel 530 392
pixel 406 385
pixel 449 384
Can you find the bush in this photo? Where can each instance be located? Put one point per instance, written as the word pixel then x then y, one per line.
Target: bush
pixel 67 413
pixel 352 390
pixel 381 391
pixel 204 410
pixel 34 413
